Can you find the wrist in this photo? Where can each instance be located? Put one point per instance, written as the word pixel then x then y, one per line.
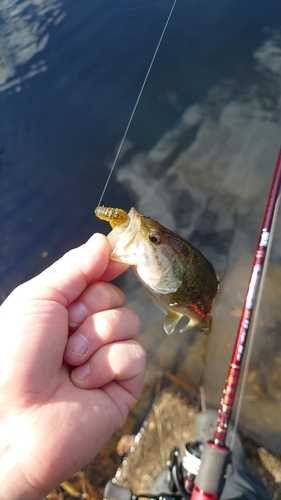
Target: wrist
pixel 18 481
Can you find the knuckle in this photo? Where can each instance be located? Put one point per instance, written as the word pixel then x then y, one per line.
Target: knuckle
pixel 108 294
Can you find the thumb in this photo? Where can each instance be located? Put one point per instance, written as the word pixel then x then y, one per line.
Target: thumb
pixel 65 280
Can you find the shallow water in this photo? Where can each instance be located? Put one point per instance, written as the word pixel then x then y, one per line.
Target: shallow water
pixel 199 157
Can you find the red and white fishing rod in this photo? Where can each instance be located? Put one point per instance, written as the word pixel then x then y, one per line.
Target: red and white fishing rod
pixel 216 455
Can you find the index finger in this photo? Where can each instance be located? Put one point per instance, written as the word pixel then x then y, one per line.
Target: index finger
pixel 113 270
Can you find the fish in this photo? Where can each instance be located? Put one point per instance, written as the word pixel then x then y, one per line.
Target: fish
pixel 180 280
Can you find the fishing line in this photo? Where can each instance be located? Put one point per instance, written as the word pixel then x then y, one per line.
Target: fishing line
pixel 137 101
pixel 254 326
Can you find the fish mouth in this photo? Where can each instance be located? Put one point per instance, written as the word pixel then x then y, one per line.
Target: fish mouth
pixel 125 240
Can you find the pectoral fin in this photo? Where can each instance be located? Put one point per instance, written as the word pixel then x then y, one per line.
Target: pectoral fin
pixel 204 326
pixel 171 320
pixel 172 317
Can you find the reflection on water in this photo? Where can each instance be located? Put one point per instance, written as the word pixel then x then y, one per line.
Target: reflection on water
pixel 208 178
pixel 199 157
pixel 24 33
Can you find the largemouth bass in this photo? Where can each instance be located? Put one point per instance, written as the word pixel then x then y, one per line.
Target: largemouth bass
pixel 181 281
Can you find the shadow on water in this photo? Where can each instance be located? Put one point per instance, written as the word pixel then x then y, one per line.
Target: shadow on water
pixel 199 158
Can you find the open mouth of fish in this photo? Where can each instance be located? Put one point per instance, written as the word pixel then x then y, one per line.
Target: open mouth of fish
pixel 126 242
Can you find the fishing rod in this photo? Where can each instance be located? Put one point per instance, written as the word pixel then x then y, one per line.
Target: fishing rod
pixel 216 455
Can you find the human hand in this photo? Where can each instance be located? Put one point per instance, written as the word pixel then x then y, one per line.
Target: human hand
pixel 55 418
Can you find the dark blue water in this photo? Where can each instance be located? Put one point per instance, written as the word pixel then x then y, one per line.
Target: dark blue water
pixel 199 155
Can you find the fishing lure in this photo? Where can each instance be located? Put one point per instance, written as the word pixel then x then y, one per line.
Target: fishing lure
pixel 115 216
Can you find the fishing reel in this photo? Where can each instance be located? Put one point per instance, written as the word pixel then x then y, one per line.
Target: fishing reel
pixel 194 475
pixel 175 481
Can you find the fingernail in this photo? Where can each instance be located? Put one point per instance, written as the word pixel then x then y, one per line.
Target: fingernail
pixel 82 372
pixel 77 313
pixel 77 344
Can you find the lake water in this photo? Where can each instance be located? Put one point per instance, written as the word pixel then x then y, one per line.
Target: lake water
pixel 199 157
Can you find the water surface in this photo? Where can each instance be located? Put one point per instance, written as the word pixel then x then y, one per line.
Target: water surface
pixel 199 157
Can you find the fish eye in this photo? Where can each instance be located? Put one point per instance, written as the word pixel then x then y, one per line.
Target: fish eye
pixel 155 238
